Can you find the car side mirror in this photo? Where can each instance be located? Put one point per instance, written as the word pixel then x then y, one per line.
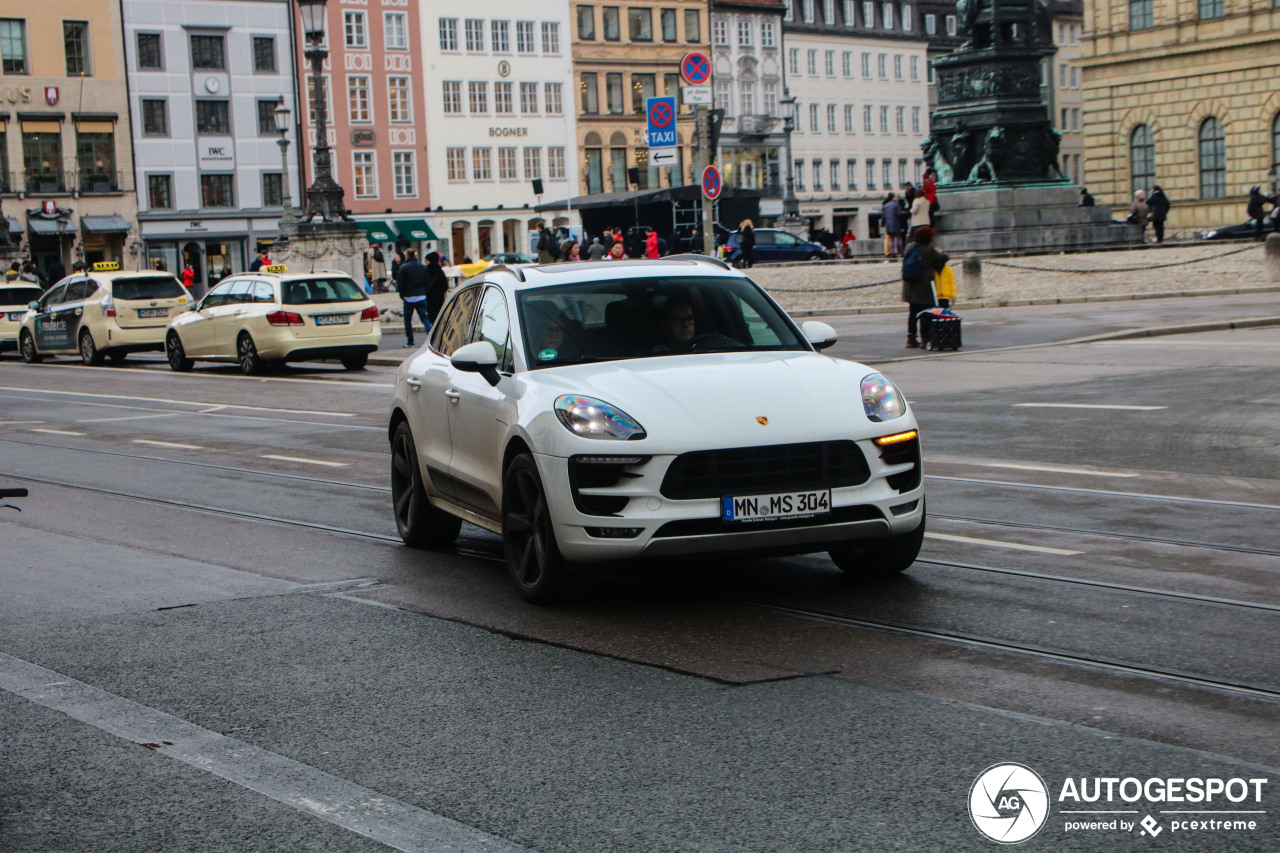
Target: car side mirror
pixel 819 334
pixel 34 306
pixel 479 357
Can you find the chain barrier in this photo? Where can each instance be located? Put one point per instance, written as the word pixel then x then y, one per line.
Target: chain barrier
pixel 833 289
pixel 1143 268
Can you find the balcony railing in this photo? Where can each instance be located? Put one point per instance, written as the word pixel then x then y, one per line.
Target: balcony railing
pixel 99 181
pixel 45 182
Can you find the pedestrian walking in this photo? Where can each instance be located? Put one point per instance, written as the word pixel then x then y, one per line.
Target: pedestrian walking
pixel 1139 211
pixel 747 242
pixel 930 189
pixel 919 212
pixel 1255 209
pixel 548 246
pixel 596 251
pixel 1159 204
pixel 415 283
pixel 376 263
pixel 188 275
pixel 260 261
pixel 846 243
pixel 919 266
pixel 891 216
pixel 437 287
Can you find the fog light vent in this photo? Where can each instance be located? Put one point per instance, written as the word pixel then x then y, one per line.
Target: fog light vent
pixel 614 532
pixel 903 509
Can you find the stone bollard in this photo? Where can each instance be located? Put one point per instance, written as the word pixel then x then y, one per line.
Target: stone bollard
pixel 1272 255
pixel 970 284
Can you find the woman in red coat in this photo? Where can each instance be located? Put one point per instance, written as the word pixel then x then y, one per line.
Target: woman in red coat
pixel 188 276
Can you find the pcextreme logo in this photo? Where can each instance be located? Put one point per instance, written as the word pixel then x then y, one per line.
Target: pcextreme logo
pixel 1009 803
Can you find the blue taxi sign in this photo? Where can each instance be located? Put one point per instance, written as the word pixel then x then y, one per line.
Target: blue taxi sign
pixel 661 113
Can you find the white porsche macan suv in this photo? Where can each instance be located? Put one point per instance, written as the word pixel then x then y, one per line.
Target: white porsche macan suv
pixel 592 412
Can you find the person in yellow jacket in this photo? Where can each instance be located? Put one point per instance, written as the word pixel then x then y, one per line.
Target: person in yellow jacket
pixel 944 285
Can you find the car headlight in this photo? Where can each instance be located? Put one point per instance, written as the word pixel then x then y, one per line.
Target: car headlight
pixel 592 418
pixel 881 399
pixel 1209 235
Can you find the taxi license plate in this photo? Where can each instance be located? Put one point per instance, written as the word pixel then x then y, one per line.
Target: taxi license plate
pixel 755 508
pixel 146 313
pixel 332 319
pixel 15 315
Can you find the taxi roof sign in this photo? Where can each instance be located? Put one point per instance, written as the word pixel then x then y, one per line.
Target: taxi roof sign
pixel 275 268
pixel 106 266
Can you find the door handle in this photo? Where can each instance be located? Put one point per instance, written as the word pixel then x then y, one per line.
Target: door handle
pixel 453 394
pixel 413 382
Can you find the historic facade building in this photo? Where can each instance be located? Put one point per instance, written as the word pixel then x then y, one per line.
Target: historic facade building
pixel 623 54
pixel 500 105
pixel 859 74
pixel 746 52
pixel 373 83
pixel 1063 81
pixel 205 80
pixel 1184 95
pixel 65 150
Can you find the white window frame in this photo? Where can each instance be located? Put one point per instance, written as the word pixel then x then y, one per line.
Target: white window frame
pixel 500 36
pixel 404 174
pixel 767 34
pixel 532 163
pixel 550 38
pixel 355 30
pixel 395 30
pixel 449 35
pixel 557 165
pixel 744 34
pixel 482 164
pixel 553 99
pixel 528 99
pixel 478 97
pixel 525 38
pixel 451 97
pixel 456 163
pixel 720 32
pixel 473 34
pixel 359 103
pixel 400 109
pixel 508 163
pixel 503 103
pixel 361 161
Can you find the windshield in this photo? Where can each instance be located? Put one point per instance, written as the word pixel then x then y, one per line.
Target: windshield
pixel 642 317
pixel 318 291
pixel 23 296
pixel 147 287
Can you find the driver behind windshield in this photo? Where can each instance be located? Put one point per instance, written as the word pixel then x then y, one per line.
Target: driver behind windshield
pixel 676 326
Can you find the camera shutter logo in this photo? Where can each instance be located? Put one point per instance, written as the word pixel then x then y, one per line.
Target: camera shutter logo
pixel 1008 803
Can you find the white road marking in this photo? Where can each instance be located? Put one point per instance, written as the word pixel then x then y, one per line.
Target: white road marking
pixel 151 367
pixel 174 444
pixel 59 432
pixel 1089 406
pixel 215 406
pixel 996 543
pixel 305 461
pixel 308 789
pixel 130 418
pixel 1053 469
pixel 15 423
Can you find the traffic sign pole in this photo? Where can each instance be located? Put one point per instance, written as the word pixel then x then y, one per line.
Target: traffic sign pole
pixel 704 160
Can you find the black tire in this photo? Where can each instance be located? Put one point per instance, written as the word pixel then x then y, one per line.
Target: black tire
pixel 118 357
pixel 875 558
pixel 355 362
pixel 419 524
pixel 539 572
pixel 27 346
pixel 89 353
pixel 251 364
pixel 176 353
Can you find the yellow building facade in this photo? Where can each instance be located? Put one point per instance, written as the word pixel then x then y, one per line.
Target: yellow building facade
pixel 621 55
pixel 1182 93
pixel 65 145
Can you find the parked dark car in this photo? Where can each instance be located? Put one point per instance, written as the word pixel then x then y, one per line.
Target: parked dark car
pixel 1244 231
pixel 773 246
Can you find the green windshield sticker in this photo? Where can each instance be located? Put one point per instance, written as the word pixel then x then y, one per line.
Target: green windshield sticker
pixel 547 355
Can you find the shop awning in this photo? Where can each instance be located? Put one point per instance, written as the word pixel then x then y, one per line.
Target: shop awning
pixel 377 231
pixel 111 224
pixel 48 227
pixel 415 230
pixel 15 227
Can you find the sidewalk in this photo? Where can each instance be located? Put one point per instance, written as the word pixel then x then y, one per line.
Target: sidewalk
pixel 843 288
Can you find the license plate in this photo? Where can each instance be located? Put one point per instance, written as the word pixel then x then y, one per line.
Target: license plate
pixel 752 508
pixel 15 315
pixel 147 313
pixel 332 319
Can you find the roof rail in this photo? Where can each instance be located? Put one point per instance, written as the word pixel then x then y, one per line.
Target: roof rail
pixel 705 259
pixel 515 271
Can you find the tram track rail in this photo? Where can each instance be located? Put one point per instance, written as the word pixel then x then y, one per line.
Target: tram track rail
pixel 1240 688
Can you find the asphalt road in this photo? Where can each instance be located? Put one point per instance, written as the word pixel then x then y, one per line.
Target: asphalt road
pixel 211 638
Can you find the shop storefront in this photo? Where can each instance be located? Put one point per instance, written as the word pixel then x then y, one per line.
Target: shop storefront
pixel 215 248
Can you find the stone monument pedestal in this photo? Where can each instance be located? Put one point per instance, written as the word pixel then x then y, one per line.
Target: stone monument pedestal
pixel 1024 217
pixel 332 246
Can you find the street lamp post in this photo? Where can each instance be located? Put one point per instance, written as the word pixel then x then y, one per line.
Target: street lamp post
pixel 790 204
pixel 288 220
pixel 324 196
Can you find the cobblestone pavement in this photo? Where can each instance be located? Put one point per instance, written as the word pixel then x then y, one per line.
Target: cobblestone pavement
pixel 864 287
pixel 836 286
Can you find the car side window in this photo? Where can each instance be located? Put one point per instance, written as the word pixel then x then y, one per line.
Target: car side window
pixel 216 297
pixel 493 324
pixel 451 331
pixel 76 291
pixel 54 297
pixel 240 292
pixel 263 292
pixel 784 239
pixel 765 238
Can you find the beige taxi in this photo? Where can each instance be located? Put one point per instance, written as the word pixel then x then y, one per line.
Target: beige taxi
pixel 15 297
pixel 272 316
pixel 104 312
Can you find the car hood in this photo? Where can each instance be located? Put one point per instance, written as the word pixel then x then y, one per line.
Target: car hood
pixel 728 399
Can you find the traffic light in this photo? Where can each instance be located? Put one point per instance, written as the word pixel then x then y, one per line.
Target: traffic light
pixel 633 175
pixel 715 118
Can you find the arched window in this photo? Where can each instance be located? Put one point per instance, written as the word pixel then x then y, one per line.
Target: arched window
pixel 1213 159
pixel 1142 158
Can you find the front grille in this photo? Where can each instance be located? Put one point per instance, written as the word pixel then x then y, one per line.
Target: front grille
pixel 765 470
pixel 902 454
pixel 714 526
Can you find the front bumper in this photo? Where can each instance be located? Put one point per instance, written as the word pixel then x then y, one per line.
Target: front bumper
pixel 653 525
